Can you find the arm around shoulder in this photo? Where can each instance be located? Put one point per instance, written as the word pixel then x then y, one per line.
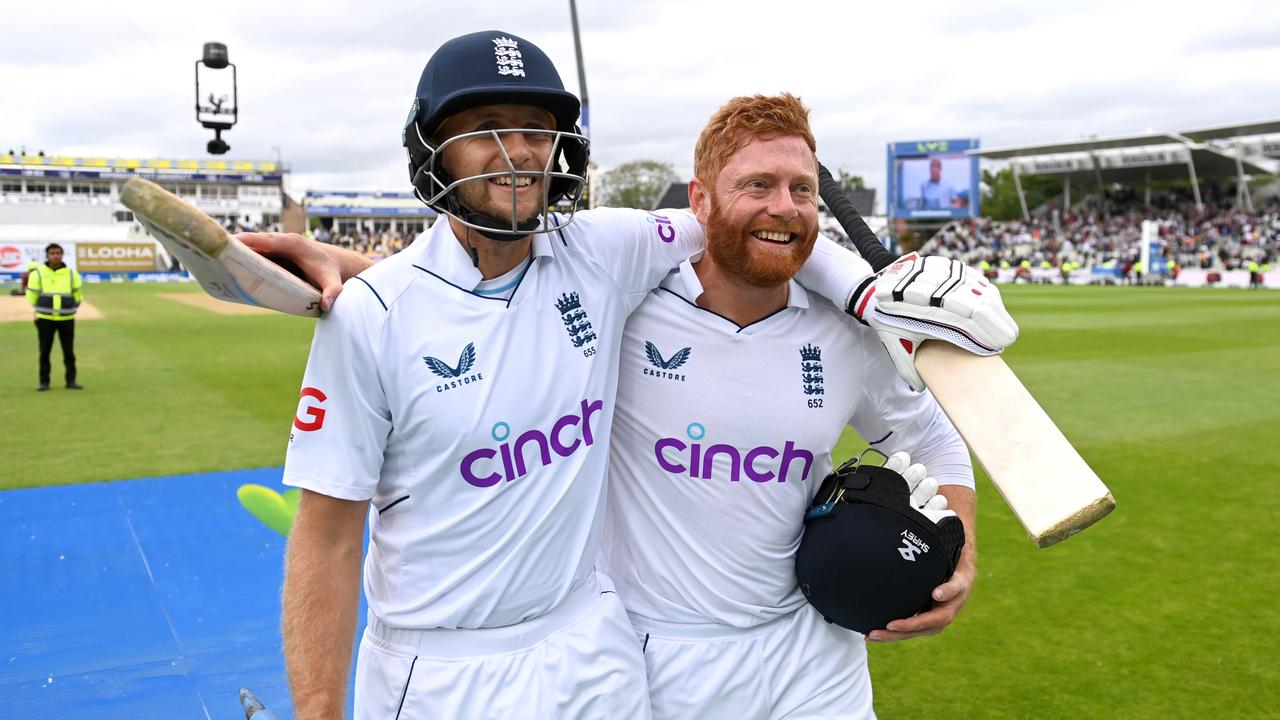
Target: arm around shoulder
pixel 834 272
pixel 323 265
pixel 635 248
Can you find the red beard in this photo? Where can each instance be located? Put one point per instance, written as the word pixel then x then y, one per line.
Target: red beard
pixel 733 248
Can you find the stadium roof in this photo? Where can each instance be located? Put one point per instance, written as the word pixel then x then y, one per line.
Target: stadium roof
pixel 72 162
pixel 358 203
pixel 114 232
pixel 1189 137
pixel 1222 132
pixel 1151 156
pixel 1139 166
pixel 1086 145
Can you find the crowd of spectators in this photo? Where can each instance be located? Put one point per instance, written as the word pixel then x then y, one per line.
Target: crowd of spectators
pixel 1208 237
pixel 370 244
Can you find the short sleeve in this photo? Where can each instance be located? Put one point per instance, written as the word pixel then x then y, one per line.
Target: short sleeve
pixel 343 419
pixel 892 417
pixel 635 248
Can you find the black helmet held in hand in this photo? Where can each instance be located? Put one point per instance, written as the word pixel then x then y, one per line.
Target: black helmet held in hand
pixel 867 557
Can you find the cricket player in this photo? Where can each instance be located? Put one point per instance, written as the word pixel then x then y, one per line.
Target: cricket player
pixel 735 386
pixel 460 396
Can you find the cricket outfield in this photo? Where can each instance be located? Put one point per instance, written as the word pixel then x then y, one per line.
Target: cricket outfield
pixel 1162 610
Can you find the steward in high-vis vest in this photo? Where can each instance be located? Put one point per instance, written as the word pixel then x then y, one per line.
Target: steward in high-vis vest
pixel 55 291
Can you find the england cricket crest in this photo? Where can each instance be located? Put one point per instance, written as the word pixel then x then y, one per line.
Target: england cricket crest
pixel 811 369
pixel 507 53
pixel 574 317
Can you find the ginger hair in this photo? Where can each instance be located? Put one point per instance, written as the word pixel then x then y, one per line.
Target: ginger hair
pixel 743 119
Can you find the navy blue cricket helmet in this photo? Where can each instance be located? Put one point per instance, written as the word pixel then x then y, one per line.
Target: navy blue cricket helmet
pixel 867 556
pixel 492 68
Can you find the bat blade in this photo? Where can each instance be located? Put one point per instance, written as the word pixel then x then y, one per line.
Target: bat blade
pixel 1050 488
pixel 224 266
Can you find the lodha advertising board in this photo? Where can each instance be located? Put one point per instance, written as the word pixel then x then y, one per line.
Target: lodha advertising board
pixel 115 257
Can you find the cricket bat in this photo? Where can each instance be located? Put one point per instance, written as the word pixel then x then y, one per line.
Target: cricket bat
pixel 225 267
pixel 1051 489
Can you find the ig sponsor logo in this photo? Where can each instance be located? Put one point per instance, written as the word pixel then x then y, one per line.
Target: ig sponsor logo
pixel 760 464
pixel 314 413
pixel 488 466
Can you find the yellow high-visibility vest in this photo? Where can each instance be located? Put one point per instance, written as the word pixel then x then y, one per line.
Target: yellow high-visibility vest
pixel 55 294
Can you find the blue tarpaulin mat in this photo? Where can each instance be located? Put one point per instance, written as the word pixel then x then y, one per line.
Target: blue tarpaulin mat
pixel 153 598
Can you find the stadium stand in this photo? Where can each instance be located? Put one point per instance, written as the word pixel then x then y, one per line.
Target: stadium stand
pixel 75 201
pixel 374 224
pixel 1219 224
pixel 1210 238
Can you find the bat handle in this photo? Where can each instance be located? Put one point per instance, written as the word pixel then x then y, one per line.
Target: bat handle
pixel 849 218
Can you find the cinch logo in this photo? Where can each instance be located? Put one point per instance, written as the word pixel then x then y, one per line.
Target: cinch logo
pixel 314 412
pixel 665 366
pixel 512 454
pixel 454 375
pixel 760 464
pixel 666 230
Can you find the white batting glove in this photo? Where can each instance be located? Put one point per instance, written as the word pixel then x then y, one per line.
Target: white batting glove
pixel 924 489
pixel 933 298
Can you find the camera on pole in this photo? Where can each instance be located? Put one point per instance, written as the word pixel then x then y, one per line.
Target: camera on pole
pixel 216 104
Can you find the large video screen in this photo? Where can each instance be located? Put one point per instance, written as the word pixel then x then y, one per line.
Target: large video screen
pixel 933 178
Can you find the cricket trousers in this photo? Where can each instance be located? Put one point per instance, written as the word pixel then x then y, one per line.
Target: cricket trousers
pixel 795 666
pixel 580 661
pixel 66 332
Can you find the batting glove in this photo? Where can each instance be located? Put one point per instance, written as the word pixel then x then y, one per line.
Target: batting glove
pixel 923 489
pixel 932 298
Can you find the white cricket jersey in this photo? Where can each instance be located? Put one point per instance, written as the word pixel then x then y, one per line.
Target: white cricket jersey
pixel 479 426
pixel 722 436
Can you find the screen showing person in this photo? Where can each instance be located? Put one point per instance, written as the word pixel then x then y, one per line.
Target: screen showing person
pixel 935 182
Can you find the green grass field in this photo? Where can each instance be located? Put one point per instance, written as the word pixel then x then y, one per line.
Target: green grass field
pixel 1163 610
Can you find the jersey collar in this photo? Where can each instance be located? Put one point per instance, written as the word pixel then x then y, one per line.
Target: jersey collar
pixel 444 255
pixel 686 283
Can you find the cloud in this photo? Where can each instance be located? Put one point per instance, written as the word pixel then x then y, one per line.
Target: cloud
pixel 326 84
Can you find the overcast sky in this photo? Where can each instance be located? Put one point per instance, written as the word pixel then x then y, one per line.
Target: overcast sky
pixel 329 82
